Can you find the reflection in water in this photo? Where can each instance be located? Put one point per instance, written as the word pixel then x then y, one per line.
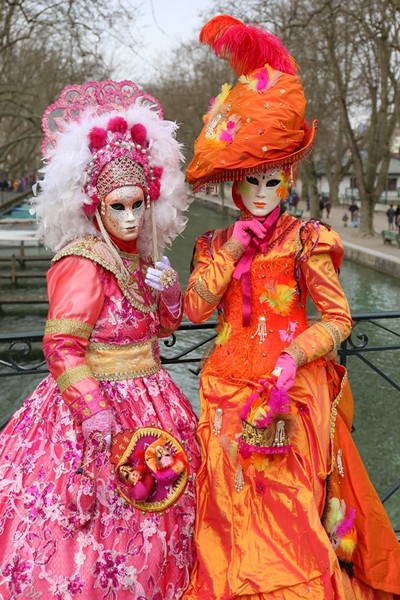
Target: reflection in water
pixel 377 422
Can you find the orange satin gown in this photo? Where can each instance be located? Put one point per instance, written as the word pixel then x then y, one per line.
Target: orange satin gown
pixel 267 541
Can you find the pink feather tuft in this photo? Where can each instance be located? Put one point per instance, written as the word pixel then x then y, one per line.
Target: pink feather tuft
pixel 154 189
pixel 90 209
pixel 262 80
pixel 246 47
pixel 97 138
pixel 139 133
pixel 117 125
pixel 278 401
pixel 347 524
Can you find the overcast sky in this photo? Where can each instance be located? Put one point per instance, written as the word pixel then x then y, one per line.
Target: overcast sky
pixel 162 24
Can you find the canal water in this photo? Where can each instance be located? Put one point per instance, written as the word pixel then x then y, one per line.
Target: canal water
pixel 377 416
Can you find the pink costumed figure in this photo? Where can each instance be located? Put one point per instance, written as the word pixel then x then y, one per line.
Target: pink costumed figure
pixel 78 519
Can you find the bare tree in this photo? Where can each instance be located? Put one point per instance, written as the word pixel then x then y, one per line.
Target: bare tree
pixel 349 53
pixel 188 81
pixel 43 47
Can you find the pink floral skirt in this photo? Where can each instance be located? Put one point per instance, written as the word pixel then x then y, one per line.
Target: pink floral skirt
pixel 121 552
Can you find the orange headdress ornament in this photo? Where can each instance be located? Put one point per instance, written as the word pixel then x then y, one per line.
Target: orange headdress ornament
pixel 258 124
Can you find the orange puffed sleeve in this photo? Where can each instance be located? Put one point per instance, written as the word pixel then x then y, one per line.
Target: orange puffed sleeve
pixel 319 271
pixel 211 275
pixel 76 298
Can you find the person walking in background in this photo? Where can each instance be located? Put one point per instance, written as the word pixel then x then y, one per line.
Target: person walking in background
pixel 283 499
pixel 391 213
pixel 397 217
pixel 97 468
pixel 328 208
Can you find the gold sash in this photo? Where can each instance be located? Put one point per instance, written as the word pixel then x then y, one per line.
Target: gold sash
pixel 112 362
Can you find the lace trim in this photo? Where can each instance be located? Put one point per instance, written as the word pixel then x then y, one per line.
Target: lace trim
pixel 94 249
pixel 101 421
pixel 204 293
pixel 334 332
pixel 68 378
pixel 233 248
pixel 297 353
pixel 333 422
pixel 69 327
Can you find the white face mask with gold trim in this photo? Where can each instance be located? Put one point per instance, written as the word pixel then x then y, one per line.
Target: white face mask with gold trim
pixel 123 212
pixel 262 192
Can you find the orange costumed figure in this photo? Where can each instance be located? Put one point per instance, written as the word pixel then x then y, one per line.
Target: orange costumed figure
pixel 285 507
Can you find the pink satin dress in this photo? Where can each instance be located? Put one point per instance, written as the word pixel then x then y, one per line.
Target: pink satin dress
pixel 102 350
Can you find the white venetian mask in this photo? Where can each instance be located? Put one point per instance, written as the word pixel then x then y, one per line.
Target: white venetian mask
pixel 262 192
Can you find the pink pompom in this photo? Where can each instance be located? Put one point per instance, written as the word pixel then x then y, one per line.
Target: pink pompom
pixel 154 189
pixel 117 125
pixel 157 172
pixel 90 209
pixel 97 138
pixel 139 133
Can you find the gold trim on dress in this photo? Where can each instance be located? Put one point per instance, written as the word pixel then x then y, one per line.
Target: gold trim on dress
pixel 334 332
pixel 233 248
pixel 69 327
pixel 94 249
pixel 113 362
pixel 72 376
pixel 297 353
pixel 333 421
pixel 204 293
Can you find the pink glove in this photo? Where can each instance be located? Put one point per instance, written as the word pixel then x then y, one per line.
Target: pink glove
pixel 163 278
pixel 101 422
pixel 285 370
pixel 81 495
pixel 244 231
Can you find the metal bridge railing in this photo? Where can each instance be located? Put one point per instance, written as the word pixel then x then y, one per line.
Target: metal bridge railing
pixel 21 353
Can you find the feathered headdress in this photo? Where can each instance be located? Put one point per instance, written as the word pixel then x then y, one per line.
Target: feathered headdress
pixel 258 124
pixel 103 135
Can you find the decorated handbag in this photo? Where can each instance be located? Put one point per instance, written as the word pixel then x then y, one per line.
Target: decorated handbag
pixel 266 421
pixel 267 425
pixel 151 468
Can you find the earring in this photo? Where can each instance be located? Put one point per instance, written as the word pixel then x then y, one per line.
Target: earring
pixel 291 181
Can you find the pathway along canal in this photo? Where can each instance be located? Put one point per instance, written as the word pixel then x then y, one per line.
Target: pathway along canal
pixel 377 417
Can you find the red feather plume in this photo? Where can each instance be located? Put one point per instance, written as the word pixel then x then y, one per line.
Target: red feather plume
pixel 246 47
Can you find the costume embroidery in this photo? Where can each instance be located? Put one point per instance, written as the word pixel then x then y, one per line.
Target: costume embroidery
pixel 71 376
pixel 334 332
pixel 204 293
pixel 68 327
pixel 97 251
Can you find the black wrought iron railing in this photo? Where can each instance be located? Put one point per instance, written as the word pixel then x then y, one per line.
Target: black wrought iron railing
pixel 373 337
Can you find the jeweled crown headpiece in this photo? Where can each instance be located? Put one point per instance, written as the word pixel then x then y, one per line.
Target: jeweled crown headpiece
pixel 119 152
pixel 99 136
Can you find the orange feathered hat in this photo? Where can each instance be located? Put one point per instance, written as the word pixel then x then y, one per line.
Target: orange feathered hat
pixel 258 124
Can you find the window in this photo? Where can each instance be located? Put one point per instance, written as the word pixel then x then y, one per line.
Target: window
pixel 392 184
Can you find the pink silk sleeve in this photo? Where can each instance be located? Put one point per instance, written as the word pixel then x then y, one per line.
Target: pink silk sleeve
pixel 76 298
pixel 169 321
